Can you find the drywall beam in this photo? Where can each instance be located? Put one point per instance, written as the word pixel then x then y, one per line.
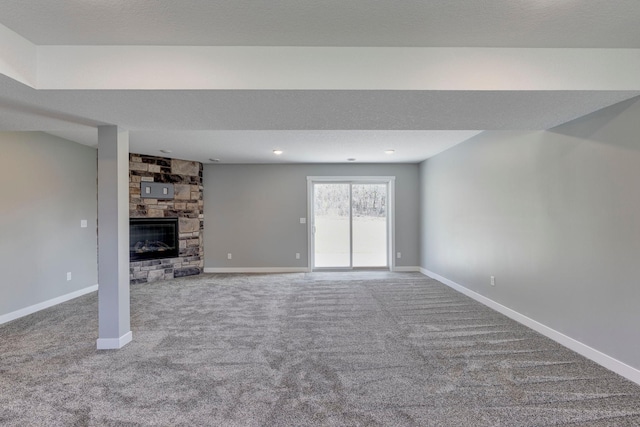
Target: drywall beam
pixel 18 57
pixel 335 68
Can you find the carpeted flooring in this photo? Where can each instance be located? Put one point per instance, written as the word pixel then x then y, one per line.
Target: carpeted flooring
pixel 320 349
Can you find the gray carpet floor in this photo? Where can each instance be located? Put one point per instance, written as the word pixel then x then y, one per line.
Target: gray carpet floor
pixel 320 349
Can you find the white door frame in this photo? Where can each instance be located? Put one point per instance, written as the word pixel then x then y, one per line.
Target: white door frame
pixel 391 209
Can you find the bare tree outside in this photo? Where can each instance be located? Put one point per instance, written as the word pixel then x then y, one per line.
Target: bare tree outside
pixel 368 200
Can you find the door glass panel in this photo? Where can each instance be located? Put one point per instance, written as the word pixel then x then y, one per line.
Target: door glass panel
pixel 369 210
pixel 331 221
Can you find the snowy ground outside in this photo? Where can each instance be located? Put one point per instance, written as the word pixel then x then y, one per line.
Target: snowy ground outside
pixel 332 241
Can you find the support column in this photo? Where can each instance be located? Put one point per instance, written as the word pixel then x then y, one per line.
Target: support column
pixel 114 328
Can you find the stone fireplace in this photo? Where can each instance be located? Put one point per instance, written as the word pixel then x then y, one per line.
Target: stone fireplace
pixel 155 258
pixel 153 238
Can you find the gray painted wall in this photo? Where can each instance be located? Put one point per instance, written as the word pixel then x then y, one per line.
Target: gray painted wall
pixel 254 211
pixel 49 185
pixel 554 216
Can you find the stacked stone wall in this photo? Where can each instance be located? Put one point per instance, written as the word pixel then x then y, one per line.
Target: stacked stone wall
pixel 187 205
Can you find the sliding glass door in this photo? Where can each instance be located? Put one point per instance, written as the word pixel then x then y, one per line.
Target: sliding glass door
pixel 350 224
pixel 369 225
pixel 331 223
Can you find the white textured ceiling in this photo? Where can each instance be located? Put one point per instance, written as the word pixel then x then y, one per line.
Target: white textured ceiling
pixel 450 23
pixel 298 146
pixel 297 109
pixel 244 126
pixel 327 126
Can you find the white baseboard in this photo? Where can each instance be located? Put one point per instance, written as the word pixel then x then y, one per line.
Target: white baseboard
pixel 406 269
pixel 114 343
pixel 600 358
pixel 45 304
pixel 283 269
pixel 256 270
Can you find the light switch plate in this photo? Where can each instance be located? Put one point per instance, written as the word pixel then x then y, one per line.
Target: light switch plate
pixel 303 220
pixel 156 190
pixel 83 223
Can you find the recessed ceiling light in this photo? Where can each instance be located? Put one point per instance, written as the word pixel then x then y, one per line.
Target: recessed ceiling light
pixel 351 159
pixel 277 152
pixel 166 151
pixel 389 151
pixel 215 160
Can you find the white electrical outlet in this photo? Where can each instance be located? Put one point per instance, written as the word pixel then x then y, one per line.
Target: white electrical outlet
pixel 493 280
pixel 83 223
pixel 69 275
pixel 297 255
pixel 228 256
pixel 399 255
pixel 303 220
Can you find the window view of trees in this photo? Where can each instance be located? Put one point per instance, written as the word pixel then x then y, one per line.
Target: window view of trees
pixel 367 200
pixel 331 199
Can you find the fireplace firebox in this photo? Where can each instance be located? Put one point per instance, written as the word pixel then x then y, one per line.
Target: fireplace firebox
pixel 153 238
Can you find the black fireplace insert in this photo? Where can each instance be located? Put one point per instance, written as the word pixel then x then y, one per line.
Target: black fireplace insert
pixel 153 238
